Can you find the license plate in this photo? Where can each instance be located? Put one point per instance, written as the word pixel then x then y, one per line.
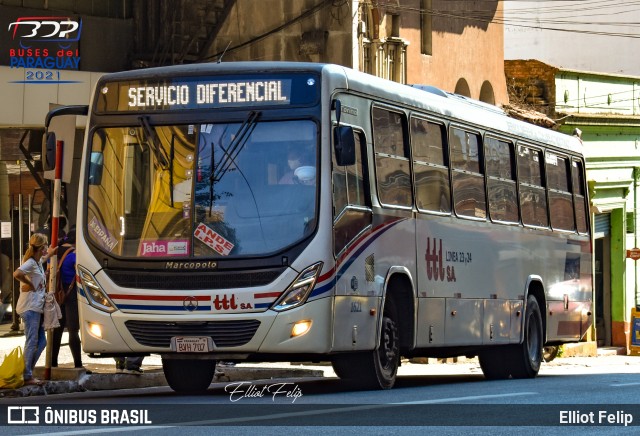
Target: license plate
pixel 191 344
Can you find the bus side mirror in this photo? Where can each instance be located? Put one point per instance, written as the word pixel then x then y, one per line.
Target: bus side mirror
pixel 344 145
pixel 48 151
pixel 95 168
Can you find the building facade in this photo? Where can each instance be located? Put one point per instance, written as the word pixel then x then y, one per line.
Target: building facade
pixel 454 45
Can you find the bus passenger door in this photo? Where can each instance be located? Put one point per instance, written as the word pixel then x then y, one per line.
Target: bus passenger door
pixel 354 327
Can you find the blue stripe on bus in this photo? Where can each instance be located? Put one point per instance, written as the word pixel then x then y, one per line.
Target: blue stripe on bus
pixel 322 289
pixel 327 287
pixel 263 305
pixel 360 249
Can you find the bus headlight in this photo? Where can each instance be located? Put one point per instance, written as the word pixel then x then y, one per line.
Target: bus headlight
pixel 299 290
pixel 96 296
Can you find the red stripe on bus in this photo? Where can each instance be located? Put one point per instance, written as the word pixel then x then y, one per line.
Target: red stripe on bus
pixel 158 297
pixel 267 295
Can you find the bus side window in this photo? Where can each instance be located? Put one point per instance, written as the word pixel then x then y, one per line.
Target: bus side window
pixel 466 168
pixel 579 197
pixel 95 168
pixel 392 162
pixel 430 166
pixel 560 198
pixel 351 205
pixel 501 180
pixel 533 199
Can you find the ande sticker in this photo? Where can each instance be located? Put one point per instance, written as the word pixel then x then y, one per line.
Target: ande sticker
pixel 213 240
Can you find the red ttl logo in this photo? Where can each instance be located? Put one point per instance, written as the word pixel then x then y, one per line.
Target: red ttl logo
pixel 225 303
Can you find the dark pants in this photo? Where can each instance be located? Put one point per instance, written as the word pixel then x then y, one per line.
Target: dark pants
pixel 129 362
pixel 71 321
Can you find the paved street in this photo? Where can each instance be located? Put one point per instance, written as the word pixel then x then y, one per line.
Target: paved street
pixel 606 362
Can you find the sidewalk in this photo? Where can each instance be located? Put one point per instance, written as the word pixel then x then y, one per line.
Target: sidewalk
pixel 65 378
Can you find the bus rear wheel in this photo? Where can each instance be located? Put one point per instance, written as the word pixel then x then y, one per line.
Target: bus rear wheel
pixel 189 375
pixel 526 358
pixel 521 360
pixel 376 369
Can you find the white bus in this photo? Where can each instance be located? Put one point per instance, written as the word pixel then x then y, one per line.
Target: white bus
pixel 267 211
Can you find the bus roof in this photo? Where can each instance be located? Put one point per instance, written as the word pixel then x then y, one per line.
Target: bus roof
pixel 450 106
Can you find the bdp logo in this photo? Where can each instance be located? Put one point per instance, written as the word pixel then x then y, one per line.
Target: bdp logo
pixel 45 43
pixel 45 29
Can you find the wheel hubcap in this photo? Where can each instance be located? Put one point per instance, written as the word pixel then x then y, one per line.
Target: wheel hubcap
pixel 389 346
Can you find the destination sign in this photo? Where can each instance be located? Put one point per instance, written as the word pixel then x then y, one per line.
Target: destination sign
pixel 206 92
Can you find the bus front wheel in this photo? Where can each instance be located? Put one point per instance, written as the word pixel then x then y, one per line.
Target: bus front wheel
pixel 376 369
pixel 189 375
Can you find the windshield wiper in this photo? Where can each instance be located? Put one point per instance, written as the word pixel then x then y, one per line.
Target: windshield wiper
pixel 155 144
pixel 230 154
pixel 236 146
pixel 171 158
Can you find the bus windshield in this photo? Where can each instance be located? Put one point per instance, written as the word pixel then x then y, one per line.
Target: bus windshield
pixel 209 190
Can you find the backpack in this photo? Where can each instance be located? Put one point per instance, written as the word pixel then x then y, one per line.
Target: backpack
pixel 60 293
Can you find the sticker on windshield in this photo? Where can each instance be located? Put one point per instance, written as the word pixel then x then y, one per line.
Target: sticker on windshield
pixel 102 235
pixel 213 240
pixel 154 248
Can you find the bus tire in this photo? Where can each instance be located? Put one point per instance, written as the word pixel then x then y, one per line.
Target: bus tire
pixel 189 375
pixel 493 363
pixel 526 358
pixel 376 369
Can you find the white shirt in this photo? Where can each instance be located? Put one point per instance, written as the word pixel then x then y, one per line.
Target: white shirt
pixel 32 300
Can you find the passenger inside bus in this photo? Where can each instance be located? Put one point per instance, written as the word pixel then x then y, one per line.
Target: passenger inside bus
pixel 300 168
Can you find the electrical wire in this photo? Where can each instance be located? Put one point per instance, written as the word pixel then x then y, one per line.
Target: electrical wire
pixel 516 17
pixel 317 8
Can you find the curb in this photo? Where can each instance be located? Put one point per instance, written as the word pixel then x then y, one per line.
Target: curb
pixel 69 380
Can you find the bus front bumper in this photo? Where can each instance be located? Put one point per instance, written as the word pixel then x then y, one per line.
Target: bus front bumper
pixel 247 333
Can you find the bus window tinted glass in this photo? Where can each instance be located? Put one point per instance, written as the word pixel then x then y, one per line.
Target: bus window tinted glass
pixel 579 198
pixel 388 132
pixel 560 198
pixel 465 150
pixel 501 184
pixel 533 198
pixel 351 205
pixel 468 181
pixel 194 190
pixel 136 207
pixel 392 164
pixel 428 142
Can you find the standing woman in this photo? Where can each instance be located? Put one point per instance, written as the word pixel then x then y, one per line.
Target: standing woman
pixel 31 301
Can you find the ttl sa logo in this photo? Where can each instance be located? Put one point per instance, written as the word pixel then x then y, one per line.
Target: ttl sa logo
pixel 434 260
pixel 225 303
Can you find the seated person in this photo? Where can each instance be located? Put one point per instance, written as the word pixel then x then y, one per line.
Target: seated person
pixel 301 169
